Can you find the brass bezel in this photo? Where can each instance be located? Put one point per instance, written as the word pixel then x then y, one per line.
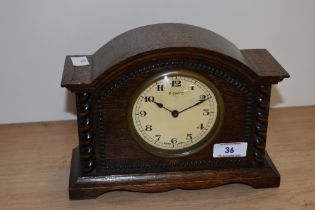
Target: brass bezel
pixel 188 150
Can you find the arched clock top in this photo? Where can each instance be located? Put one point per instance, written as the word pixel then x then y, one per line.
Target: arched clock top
pixel 170 40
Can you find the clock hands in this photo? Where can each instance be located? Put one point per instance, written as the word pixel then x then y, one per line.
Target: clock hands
pixel 175 113
pixel 160 105
pixel 196 104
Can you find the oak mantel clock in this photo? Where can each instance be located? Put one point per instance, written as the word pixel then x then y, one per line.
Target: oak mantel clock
pixel 170 106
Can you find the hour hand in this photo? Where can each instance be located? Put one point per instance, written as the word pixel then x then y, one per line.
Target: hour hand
pixel 160 105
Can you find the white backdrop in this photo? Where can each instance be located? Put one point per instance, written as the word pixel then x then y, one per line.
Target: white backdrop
pixel 35 36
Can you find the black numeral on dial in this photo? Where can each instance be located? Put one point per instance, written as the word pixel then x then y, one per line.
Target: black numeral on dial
pixel 174 141
pixel 202 97
pixel 189 136
pixel 160 87
pixel 200 126
pixel 157 138
pixel 205 112
pixel 142 113
pixel 149 99
pixel 176 83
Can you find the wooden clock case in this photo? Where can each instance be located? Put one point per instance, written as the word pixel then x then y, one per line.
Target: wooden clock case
pixel 108 158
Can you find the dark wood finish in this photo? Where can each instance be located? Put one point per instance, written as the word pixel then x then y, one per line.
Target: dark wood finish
pixel 86 187
pixel 169 38
pixel 264 65
pixel 108 155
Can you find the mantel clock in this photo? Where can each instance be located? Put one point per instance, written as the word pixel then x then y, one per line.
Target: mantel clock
pixel 170 106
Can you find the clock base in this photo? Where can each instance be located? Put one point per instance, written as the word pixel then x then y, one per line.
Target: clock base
pixel 87 187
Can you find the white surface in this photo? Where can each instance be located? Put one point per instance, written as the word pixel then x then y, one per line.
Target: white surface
pixel 235 149
pixel 80 61
pixel 35 37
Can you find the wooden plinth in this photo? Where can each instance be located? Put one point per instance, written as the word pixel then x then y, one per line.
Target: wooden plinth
pixel 87 187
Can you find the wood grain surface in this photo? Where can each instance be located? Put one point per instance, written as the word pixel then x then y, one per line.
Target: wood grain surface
pixel 170 40
pixel 35 163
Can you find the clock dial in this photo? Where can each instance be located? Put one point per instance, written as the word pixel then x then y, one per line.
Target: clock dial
pixel 175 113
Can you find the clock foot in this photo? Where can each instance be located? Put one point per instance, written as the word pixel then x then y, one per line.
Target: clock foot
pixel 87 187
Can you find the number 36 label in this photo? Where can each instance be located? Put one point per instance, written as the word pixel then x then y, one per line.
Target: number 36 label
pixel 235 149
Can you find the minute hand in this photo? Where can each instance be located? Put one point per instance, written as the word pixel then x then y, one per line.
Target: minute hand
pixel 196 104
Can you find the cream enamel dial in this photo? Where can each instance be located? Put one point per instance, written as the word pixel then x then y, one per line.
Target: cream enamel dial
pixel 175 113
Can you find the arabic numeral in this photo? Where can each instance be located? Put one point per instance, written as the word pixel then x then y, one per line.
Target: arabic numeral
pixel 148 128
pixel 143 113
pixel 176 83
pixel 157 138
pixel 200 126
pixel 189 136
pixel 229 150
pixel 174 141
pixel 202 97
pixel 149 99
pixel 160 87
pixel 205 112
